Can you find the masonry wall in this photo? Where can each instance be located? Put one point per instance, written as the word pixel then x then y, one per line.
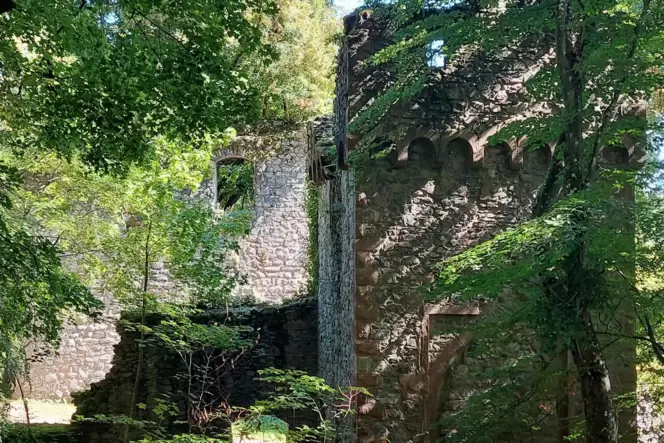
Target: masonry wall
pixel 272 259
pixel 84 357
pixel 285 337
pixel 86 348
pixel 443 189
pixel 408 219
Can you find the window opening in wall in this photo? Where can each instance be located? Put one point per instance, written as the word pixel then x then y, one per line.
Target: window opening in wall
pixel 459 154
pixel 614 156
pixel 235 183
pixel 341 155
pixel 422 153
pixel 435 54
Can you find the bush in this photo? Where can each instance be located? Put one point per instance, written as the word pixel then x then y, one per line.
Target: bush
pixel 19 433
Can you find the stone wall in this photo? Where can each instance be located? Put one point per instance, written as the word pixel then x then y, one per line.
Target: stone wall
pixel 86 349
pixel 272 258
pixel 442 190
pixel 336 245
pixel 409 218
pixel 83 357
pixel 286 337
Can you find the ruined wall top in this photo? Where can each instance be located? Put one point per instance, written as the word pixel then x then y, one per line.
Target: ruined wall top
pixel 273 257
pixel 463 103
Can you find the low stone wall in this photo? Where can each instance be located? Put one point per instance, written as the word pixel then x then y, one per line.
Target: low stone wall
pixel 286 338
pixel 83 357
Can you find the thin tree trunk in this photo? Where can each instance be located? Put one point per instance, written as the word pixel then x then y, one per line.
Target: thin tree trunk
pixel 25 402
pixel 141 352
pixel 601 420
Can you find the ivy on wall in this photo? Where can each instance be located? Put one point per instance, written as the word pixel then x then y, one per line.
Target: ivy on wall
pixel 312 199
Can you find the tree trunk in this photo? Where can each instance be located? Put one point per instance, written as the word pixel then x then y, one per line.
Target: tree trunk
pixel 141 351
pixel 601 420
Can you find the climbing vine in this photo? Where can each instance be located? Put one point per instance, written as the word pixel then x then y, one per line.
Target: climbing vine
pixel 313 260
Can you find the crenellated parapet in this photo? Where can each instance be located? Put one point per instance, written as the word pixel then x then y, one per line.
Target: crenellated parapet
pixel 448 180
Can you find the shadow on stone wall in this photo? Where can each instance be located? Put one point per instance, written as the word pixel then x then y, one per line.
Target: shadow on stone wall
pixel 410 215
pixel 286 339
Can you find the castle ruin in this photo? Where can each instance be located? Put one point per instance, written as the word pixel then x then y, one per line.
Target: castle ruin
pixel 380 229
pixel 443 189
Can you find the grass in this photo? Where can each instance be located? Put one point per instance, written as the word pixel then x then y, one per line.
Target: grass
pixel 270 430
pixel 41 411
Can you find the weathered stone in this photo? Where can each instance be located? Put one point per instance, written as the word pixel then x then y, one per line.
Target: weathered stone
pixel 279 344
pixel 368 347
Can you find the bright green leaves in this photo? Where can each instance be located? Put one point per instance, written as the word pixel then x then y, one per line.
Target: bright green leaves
pixel 299 83
pixel 539 247
pixel 35 291
pixel 539 131
pixel 299 391
pixel 235 184
pixel 76 81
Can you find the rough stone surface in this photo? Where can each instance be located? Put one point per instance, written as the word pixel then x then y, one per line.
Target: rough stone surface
pixel 272 259
pixel 442 190
pixel 84 356
pixel 285 338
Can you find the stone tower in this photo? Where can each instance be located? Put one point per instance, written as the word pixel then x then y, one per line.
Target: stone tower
pixel 381 228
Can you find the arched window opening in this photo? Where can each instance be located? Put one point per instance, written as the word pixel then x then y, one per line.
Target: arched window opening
pixel 422 153
pixel 537 160
pixel 435 54
pixel 235 183
pixel 498 157
pixel 614 156
pixel 459 155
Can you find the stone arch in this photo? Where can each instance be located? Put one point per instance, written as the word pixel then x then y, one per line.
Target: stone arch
pixel 498 157
pixel 614 156
pixel 233 167
pixel 458 154
pixel 421 153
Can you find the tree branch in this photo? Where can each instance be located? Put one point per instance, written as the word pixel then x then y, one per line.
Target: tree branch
pixel 610 108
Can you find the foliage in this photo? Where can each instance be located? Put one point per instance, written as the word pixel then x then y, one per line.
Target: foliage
pixel 298 391
pixel 185 438
pixel 148 90
pixel 118 230
pixel 34 287
pixel 574 267
pixel 103 78
pixel 235 185
pixel 300 83
pixel 98 83
pixel 312 201
pixel 37 434
pixel 293 391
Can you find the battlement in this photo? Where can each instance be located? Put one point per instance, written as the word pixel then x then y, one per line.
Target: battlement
pixel 461 107
pixel 442 188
